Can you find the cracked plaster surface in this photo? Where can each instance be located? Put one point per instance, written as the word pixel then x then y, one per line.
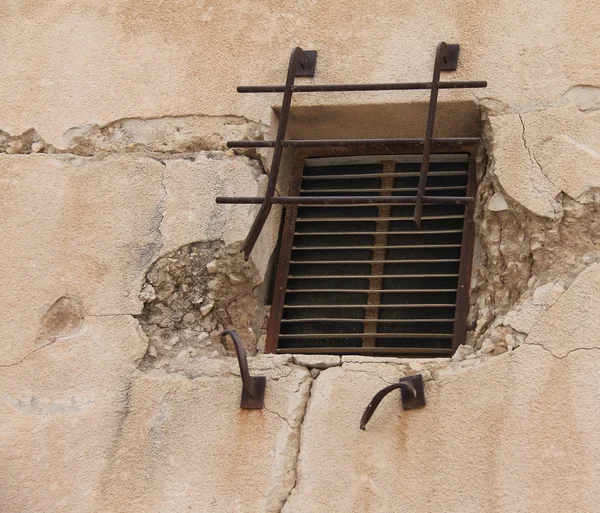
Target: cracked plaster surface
pixel 512 433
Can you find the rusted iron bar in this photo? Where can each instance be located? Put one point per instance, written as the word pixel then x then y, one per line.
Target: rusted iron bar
pixel 408 351
pixel 261 218
pixel 253 391
pixel 412 396
pixel 466 264
pixel 344 200
pixel 440 54
pixel 351 142
pixel 330 88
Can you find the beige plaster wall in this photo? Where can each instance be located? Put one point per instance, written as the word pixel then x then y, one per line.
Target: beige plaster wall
pixel 112 127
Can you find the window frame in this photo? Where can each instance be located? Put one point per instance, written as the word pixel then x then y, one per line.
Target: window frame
pixel 291 211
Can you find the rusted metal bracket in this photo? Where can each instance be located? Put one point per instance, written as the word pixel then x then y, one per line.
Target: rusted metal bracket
pixel 306 67
pixel 412 395
pixel 302 64
pixel 253 390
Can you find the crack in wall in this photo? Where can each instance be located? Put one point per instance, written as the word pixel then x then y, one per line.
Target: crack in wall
pixel 298 448
pixel 536 163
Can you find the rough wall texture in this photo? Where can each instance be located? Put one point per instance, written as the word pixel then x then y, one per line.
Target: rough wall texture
pixel 117 393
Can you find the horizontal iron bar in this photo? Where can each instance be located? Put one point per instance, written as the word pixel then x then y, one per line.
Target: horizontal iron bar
pixel 422 305
pixel 364 321
pixel 329 88
pixel 344 200
pixel 340 219
pixel 366 335
pixel 373 291
pixel 399 189
pixel 369 276
pixel 381 246
pixel 415 232
pixel 414 158
pixel 429 351
pixel 351 142
pixel 360 176
pixel 409 261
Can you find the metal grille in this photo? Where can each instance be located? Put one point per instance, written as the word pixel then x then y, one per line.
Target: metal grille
pixel 302 63
pixel 363 279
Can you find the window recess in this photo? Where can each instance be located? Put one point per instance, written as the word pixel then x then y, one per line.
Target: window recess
pixel 362 278
pixel 390 196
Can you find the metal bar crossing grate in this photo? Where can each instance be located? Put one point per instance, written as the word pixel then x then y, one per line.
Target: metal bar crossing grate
pixel 302 63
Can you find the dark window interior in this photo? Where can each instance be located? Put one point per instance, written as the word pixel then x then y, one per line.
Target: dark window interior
pixel 363 279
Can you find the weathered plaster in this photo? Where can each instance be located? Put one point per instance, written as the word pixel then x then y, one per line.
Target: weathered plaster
pixel 114 121
pixel 68 66
pixel 505 435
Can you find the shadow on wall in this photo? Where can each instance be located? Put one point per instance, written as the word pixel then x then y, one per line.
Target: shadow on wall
pixel 382 120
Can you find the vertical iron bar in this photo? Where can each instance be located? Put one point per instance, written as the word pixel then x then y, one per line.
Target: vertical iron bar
pixel 466 263
pixel 285 255
pixel 263 213
pixel 439 55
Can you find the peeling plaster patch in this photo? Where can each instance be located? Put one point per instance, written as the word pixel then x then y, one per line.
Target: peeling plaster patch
pixel 169 134
pixel 586 97
pixel 515 169
pixel 527 313
pixel 518 252
pixel 572 321
pixel 559 155
pixel 34 405
pixel 63 318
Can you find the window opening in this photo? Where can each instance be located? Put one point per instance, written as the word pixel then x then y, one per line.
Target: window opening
pixel 385 202
pixel 363 278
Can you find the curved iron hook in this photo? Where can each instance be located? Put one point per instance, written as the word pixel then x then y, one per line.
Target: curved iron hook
pixel 412 396
pixel 253 393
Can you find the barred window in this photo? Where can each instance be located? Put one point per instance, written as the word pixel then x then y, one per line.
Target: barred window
pixel 363 279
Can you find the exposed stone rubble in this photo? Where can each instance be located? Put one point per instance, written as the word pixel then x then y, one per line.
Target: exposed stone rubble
pixel 523 260
pixel 161 136
pixel 27 142
pixel 170 134
pixel 190 296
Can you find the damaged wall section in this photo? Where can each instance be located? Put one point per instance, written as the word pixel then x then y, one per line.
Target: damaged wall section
pixel 191 295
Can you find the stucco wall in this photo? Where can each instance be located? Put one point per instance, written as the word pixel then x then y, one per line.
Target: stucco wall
pixel 112 127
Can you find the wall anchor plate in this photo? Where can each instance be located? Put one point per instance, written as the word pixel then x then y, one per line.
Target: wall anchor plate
pixel 310 64
pixel 258 385
pixel 450 60
pixel 408 401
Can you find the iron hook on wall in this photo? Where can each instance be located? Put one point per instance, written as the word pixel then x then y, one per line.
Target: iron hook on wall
pixel 253 390
pixel 412 395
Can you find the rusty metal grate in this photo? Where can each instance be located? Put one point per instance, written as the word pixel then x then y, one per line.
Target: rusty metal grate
pixel 302 63
pixel 362 278
pixel 389 222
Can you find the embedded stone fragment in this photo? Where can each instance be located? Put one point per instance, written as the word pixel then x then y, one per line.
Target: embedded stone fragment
pixel 212 267
pixel 497 203
pixel 462 352
pixel 206 309
pixel 317 361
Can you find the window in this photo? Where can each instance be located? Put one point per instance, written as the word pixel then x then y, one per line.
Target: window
pixel 362 279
